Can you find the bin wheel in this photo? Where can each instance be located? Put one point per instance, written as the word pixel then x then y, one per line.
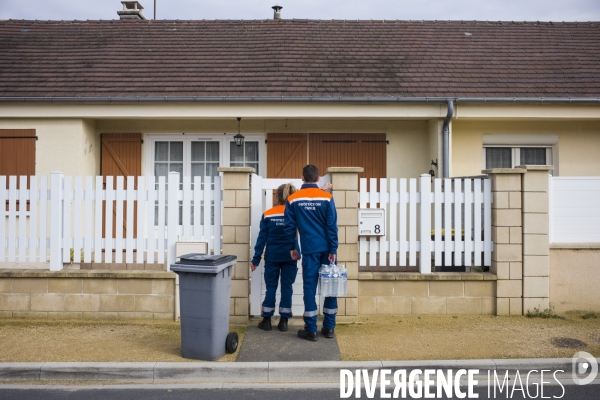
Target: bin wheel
pixel 231 344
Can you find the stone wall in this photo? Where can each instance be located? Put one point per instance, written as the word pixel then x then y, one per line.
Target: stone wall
pixel 507 235
pixel 87 294
pixel 574 278
pixel 402 293
pixel 345 195
pixel 236 237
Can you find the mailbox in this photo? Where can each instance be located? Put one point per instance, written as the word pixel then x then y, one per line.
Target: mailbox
pixel 371 222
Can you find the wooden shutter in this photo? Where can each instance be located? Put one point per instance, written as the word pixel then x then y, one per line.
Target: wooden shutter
pixel 17 152
pixel 286 155
pixel 350 150
pixel 121 156
pixel 17 155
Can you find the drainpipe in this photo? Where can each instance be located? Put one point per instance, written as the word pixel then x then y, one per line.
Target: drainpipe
pixel 446 138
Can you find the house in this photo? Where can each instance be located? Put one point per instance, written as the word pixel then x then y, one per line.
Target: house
pixel 368 93
pixel 137 97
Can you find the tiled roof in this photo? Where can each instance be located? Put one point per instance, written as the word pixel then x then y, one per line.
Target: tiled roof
pixel 292 58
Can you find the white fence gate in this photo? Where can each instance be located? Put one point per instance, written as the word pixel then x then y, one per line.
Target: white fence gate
pixel 65 220
pixel 575 209
pixel 419 220
pixel 262 199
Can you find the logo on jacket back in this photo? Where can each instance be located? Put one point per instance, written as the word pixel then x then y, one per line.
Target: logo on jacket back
pixel 310 199
pixel 309 206
pixel 277 221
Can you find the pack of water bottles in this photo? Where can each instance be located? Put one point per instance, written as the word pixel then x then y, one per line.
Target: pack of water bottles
pixel 333 280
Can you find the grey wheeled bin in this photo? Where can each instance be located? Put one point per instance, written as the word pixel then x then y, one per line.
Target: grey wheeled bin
pixel 204 288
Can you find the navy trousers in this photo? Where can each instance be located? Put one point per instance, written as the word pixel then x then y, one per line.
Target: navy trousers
pixel 273 270
pixel 310 276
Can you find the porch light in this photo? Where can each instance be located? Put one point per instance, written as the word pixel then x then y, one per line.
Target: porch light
pixel 239 138
pixel 431 171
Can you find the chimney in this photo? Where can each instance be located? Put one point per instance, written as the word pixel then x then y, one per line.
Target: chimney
pixel 277 11
pixel 131 10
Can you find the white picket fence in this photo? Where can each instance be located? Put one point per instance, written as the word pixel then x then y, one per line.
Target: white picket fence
pixel 575 209
pixel 415 215
pixel 63 217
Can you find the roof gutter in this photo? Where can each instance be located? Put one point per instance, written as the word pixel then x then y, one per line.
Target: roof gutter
pixel 446 139
pixel 340 99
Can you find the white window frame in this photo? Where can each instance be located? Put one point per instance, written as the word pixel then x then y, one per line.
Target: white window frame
pixel 188 138
pixel 516 142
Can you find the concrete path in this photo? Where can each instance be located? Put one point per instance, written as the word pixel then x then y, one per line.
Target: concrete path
pixel 261 346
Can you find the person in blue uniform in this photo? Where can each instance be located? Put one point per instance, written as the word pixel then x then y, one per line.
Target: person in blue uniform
pixel 311 212
pixel 278 261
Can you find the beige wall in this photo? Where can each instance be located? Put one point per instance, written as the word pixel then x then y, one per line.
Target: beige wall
pixel 73 146
pixel 61 145
pixel 576 152
pixel 575 280
pixel 91 149
pixel 64 144
pixel 408 151
pixel 435 145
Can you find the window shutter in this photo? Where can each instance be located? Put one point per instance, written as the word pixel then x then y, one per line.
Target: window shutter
pixel 286 154
pixel 17 152
pixel 350 150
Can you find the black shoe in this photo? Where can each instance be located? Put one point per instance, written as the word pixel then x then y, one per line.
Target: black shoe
pixel 265 324
pixel 328 333
pixel 282 326
pixel 312 336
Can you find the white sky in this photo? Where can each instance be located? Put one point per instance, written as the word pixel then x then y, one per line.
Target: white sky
pixel 485 10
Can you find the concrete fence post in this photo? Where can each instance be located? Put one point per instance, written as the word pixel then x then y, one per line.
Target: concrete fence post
pixel 507 231
pixel 536 241
pixel 236 237
pixel 345 195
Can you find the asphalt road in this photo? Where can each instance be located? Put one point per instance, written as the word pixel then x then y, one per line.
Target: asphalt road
pixel 590 392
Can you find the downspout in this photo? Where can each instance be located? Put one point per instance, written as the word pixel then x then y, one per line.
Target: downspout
pixel 446 138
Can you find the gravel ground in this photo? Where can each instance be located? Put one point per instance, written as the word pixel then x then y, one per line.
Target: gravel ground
pixel 379 338
pixel 468 337
pixel 28 340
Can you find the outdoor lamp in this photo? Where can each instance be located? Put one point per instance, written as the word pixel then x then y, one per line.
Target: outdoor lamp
pixel 239 138
pixel 431 171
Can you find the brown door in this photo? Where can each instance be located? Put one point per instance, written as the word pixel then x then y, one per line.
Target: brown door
pixel 350 150
pixel 286 155
pixel 121 156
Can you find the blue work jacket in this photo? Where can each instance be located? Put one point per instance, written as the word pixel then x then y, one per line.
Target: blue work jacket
pixel 273 236
pixel 312 212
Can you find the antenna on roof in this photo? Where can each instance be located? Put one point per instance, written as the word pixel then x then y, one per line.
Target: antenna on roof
pixel 155 10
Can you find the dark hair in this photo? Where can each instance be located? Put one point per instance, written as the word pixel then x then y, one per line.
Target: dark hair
pixel 310 173
pixel 284 191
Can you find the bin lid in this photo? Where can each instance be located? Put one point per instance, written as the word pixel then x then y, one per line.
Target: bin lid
pixel 203 263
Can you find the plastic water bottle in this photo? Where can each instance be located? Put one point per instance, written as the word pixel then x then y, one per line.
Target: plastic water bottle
pixel 342 281
pixel 324 280
pixel 335 277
